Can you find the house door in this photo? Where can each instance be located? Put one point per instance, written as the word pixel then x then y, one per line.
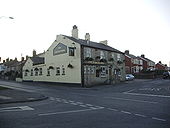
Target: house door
pixel 110 76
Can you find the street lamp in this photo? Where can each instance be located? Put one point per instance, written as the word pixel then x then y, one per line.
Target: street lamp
pixel 5 17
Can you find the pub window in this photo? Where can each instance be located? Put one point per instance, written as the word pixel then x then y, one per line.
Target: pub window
pixel 71 51
pixel 98 71
pixel 58 71
pixel 103 71
pixel 64 72
pixel 40 71
pixel 25 73
pixel 31 72
pixel 36 72
pixel 92 69
pixel 88 52
pixel 48 72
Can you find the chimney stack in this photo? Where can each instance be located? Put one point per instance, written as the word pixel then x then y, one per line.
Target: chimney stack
pixel 75 32
pixel 7 59
pixel 87 37
pixel 103 42
pixel 127 52
pixel 22 58
pixel 143 56
pixel 26 57
pixel 3 61
pixel 34 53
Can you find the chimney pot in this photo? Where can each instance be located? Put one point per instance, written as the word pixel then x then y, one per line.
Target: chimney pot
pixel 22 58
pixel 87 36
pixel 127 52
pixel 34 53
pixel 75 32
pixel 143 56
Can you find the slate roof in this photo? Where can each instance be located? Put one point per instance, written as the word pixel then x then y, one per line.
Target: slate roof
pixel 37 60
pixel 131 56
pixel 93 44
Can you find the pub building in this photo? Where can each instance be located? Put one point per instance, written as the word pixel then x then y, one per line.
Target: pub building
pixel 76 61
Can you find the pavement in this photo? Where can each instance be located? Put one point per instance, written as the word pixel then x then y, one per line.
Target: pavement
pixel 17 96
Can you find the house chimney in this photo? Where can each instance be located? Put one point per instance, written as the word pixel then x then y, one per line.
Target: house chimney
pixel 22 58
pixel 143 56
pixel 87 36
pixel 3 61
pixel 7 59
pixel 103 42
pixel 75 32
pixel 26 57
pixel 127 52
pixel 34 53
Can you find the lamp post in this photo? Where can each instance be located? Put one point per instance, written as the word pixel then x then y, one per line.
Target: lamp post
pixel 5 17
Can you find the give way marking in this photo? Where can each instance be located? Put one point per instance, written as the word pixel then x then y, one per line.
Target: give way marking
pixel 15 109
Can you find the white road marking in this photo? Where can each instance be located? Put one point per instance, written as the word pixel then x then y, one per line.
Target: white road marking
pixel 154 118
pixel 129 91
pixel 89 104
pixel 83 105
pixel 162 96
pixel 140 115
pixel 14 109
pixel 66 112
pixel 113 109
pixel 74 103
pixel 5 97
pixel 66 102
pixel 79 102
pixel 125 112
pixel 99 107
pixel 26 108
pixel 143 101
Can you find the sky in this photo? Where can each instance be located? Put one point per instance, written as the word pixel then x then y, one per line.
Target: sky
pixel 140 26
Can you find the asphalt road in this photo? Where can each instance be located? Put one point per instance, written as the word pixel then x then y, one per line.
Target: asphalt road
pixel 134 104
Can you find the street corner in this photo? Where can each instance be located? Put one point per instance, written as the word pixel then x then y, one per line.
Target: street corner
pixel 16 96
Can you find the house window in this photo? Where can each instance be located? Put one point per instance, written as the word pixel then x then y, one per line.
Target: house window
pixel 25 73
pixel 92 69
pixel 85 70
pixel 36 72
pixel 118 57
pixel 71 51
pixel 58 71
pixel 48 72
pixel 63 69
pixel 88 52
pixel 103 71
pixel 40 73
pixel 31 72
pixel 102 56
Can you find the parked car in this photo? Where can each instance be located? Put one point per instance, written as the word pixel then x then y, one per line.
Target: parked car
pixel 129 77
pixel 166 75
